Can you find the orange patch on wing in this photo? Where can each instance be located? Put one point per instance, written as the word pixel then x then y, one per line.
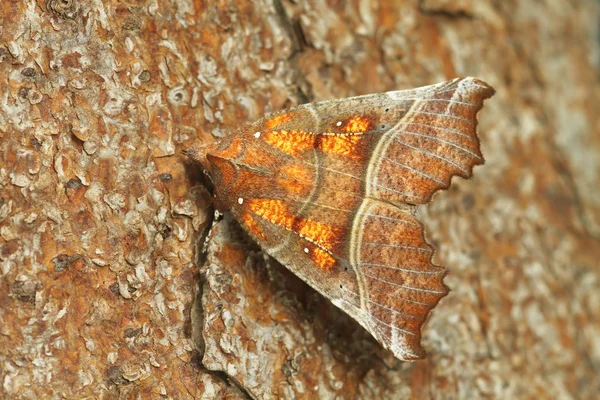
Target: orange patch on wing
pixel 290 142
pixel 357 124
pixel 277 120
pixel 317 232
pixel 273 211
pixel 295 142
pixel 341 144
pixel 323 259
pixel 321 235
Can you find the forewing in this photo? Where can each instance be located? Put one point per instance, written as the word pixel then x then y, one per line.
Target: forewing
pixel 419 138
pixel 334 203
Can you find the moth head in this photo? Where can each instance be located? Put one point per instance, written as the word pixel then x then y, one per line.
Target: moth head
pixel 198 153
pixel 217 165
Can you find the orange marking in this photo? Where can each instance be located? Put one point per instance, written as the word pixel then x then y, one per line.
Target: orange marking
pixel 290 142
pixel 357 124
pixel 317 232
pixel 323 259
pixel 322 235
pixel 295 142
pixel 341 144
pixel 277 120
pixel 273 211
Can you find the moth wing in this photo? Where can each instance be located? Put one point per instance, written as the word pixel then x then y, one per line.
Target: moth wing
pixel 346 225
pixel 416 140
pixel 382 275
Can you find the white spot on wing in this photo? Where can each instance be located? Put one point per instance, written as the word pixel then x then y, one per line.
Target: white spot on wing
pixel 257 135
pixel 240 201
pixel 306 250
pixel 339 123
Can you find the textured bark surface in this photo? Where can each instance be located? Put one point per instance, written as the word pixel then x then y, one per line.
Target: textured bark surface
pixel 103 290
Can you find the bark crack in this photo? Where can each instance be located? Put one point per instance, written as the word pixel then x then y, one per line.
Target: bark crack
pixel 294 30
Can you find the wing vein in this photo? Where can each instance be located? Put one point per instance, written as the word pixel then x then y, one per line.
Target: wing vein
pixel 449 130
pixel 442 141
pixel 407 315
pixel 458 117
pixel 433 155
pixel 385 323
pixel 404 286
pixel 416 170
pixel 410 270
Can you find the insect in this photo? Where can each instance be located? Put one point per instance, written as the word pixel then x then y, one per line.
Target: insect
pixel 330 190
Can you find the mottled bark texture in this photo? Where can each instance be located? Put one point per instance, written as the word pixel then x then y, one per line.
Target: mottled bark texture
pixel 103 290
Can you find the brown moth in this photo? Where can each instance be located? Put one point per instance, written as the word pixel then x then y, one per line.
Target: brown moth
pixel 330 190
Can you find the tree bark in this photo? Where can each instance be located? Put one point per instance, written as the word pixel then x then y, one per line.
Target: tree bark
pixel 105 291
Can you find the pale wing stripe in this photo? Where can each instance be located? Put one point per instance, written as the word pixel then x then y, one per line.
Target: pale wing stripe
pixel 404 286
pixel 416 170
pixel 400 246
pixel 433 155
pixel 442 141
pixel 449 130
pixel 410 316
pixel 458 117
pixel 415 271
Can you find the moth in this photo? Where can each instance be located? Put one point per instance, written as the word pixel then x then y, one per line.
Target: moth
pixel 330 190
